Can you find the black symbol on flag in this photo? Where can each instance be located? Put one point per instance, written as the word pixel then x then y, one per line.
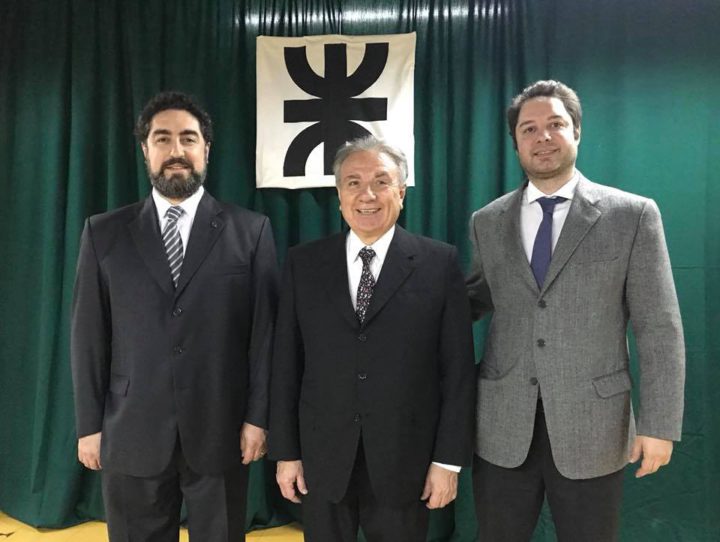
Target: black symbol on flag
pixel 336 107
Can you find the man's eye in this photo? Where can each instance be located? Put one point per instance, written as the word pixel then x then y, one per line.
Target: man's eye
pixel 352 183
pixel 382 182
pixel 528 130
pixel 189 141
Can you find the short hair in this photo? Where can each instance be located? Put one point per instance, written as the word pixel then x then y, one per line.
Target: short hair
pixel 370 143
pixel 172 99
pixel 547 89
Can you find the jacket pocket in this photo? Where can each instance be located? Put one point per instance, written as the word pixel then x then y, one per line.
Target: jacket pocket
pixel 236 269
pixel 613 383
pixel 119 384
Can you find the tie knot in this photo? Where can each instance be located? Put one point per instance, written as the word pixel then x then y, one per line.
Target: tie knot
pixel 366 255
pixel 174 212
pixel 548 204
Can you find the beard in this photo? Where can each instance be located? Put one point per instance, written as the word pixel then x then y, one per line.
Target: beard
pixel 176 186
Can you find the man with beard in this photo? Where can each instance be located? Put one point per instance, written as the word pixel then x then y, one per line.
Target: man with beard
pixel 564 265
pixel 171 342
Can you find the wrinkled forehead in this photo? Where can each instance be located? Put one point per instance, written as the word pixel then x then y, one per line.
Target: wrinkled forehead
pixel 368 163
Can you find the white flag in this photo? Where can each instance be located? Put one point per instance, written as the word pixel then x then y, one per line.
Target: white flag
pixel 316 92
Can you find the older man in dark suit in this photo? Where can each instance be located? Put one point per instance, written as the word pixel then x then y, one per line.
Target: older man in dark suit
pixel 172 329
pixel 371 402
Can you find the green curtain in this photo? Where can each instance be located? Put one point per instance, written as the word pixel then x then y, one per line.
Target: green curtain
pixel 75 73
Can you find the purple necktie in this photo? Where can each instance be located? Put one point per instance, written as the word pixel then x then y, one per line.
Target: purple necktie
pixel 367 283
pixel 542 249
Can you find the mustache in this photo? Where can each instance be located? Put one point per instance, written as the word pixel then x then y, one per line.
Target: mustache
pixel 178 161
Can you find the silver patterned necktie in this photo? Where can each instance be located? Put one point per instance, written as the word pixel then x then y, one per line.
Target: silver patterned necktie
pixel 367 283
pixel 173 242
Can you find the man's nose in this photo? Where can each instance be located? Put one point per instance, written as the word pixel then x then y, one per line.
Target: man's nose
pixel 543 135
pixel 176 150
pixel 368 192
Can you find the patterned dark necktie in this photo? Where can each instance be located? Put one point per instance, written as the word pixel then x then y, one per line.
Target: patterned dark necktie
pixel 173 242
pixel 367 283
pixel 542 249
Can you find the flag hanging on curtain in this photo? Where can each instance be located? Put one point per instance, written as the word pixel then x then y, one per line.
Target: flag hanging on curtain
pixel 316 92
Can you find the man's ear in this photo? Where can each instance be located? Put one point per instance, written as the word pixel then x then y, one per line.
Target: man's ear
pixel 207 152
pixel 576 132
pixel 144 148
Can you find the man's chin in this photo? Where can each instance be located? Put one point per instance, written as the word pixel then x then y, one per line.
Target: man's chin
pixel 178 185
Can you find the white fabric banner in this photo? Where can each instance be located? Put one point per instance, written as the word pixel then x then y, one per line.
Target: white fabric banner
pixel 316 92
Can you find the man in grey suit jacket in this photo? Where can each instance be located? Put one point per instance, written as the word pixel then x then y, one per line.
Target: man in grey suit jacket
pixel 564 265
pixel 172 329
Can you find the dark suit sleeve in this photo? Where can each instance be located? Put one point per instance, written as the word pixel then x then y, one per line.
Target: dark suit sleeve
pixel 288 366
pixel 90 339
pixel 264 295
pixel 655 319
pixel 478 290
pixel 454 438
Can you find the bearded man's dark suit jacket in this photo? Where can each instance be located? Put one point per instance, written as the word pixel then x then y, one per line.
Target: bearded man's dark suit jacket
pixel 402 380
pixel 151 362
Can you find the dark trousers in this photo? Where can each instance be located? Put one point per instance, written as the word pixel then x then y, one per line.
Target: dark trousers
pixel 508 501
pixel 325 521
pixel 148 509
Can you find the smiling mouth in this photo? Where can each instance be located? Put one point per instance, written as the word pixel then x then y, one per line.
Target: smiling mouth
pixel 367 211
pixel 545 152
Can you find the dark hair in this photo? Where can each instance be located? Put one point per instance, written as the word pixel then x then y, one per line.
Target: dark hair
pixel 370 144
pixel 172 99
pixel 548 89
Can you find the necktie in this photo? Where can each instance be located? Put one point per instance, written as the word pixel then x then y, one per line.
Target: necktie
pixel 173 242
pixel 542 249
pixel 367 283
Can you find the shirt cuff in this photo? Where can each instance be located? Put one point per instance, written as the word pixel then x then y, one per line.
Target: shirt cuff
pixel 453 468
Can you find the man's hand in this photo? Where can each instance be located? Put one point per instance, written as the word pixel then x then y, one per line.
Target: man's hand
pixel 89 451
pixel 252 443
pixel 655 453
pixel 440 487
pixel 289 476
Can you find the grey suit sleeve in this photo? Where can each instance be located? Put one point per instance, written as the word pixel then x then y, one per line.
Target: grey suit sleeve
pixel 477 288
pixel 655 319
pixel 90 339
pixel 264 292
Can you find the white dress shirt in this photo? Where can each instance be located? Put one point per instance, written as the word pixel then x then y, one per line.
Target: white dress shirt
pixel 185 221
pixel 353 245
pixel 531 213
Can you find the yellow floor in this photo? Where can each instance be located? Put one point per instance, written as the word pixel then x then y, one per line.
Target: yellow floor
pixel 94 531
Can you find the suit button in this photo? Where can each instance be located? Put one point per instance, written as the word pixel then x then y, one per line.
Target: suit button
pixel 214 224
pixel 362 337
pixel 533 381
pixel 541 342
pixel 356 418
pixel 362 376
pixel 178 350
pixel 177 311
pixel 542 304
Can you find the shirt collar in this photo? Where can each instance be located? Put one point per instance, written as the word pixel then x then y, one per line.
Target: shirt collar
pixel 567 191
pixel 381 246
pixel 188 205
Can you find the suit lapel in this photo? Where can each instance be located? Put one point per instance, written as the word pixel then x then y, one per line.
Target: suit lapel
pixel 511 238
pixel 581 216
pixel 334 273
pixel 399 264
pixel 145 232
pixel 206 228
